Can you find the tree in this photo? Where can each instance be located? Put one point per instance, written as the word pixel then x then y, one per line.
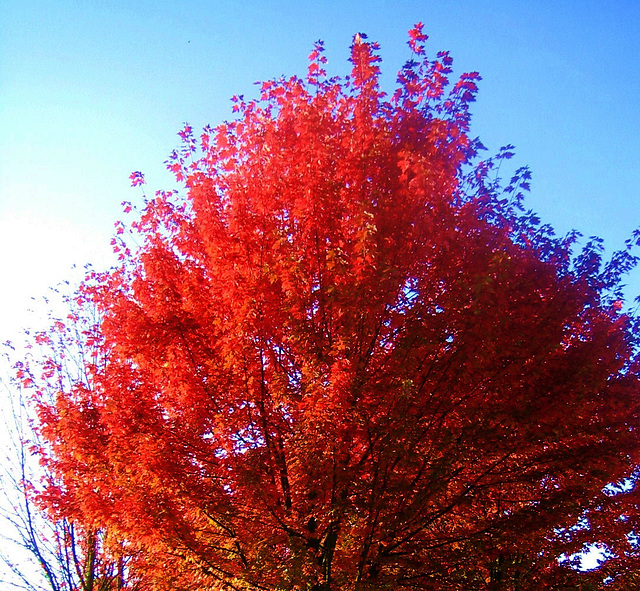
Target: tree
pixel 41 551
pixel 347 358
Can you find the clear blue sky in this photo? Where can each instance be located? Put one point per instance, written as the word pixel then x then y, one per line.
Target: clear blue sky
pixel 90 91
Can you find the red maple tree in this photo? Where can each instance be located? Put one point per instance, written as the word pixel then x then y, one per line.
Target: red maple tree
pixel 346 359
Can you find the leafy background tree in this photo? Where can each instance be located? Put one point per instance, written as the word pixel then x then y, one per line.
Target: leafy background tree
pixel 348 357
pixel 41 551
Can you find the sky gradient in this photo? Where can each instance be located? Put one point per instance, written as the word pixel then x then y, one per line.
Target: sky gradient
pixel 92 91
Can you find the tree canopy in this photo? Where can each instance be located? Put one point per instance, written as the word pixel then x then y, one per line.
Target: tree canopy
pixel 346 357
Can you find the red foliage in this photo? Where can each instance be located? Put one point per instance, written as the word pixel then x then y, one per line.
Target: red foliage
pixel 345 360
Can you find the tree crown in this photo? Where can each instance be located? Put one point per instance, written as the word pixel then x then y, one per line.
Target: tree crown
pixel 347 357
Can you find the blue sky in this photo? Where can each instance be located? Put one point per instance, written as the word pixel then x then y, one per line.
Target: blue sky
pixel 90 91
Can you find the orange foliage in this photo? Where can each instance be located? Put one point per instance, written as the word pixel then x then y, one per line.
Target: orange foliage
pixel 345 360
